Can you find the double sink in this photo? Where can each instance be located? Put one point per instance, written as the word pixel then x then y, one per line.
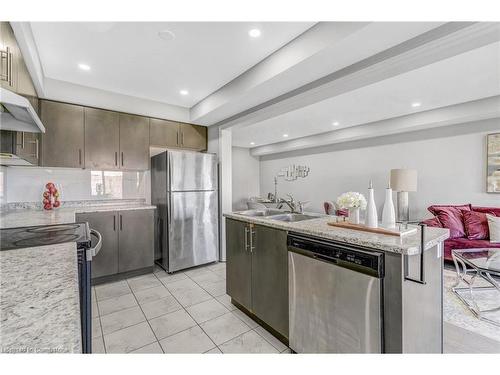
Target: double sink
pixel 279 215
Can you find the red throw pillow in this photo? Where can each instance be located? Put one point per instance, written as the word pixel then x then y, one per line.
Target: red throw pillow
pixel 495 211
pixel 432 222
pixel 451 217
pixel 476 225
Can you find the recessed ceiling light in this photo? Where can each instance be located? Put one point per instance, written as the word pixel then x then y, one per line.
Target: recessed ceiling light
pixel 166 35
pixel 252 143
pixel 285 135
pixel 416 104
pixel 254 33
pixel 84 66
pixel 184 92
pixel 336 123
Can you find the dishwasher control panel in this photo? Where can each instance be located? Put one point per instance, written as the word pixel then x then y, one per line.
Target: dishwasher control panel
pixel 349 256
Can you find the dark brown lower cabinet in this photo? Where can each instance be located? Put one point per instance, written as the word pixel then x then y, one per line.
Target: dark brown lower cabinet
pixel 270 277
pixel 135 240
pixel 127 241
pixel 238 263
pixel 105 263
pixel 257 271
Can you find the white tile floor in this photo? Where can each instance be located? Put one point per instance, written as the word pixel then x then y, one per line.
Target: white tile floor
pixel 188 312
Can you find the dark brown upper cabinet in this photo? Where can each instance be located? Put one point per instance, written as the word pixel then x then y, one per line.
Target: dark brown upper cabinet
pixel 102 139
pixel 9 59
pixel 63 143
pixel 165 133
pixel 134 142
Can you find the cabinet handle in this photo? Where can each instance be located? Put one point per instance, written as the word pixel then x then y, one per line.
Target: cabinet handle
pixel 9 65
pixel 35 142
pixel 80 156
pixel 22 139
pixel 121 222
pixel 252 232
pixel 246 237
pixel 4 55
pixel 116 158
pixel 114 223
pixel 122 158
pixel 178 144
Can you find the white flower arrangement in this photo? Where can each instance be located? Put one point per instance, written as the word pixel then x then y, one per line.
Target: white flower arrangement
pixel 351 199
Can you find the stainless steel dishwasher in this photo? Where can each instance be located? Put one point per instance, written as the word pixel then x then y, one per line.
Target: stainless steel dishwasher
pixel 335 297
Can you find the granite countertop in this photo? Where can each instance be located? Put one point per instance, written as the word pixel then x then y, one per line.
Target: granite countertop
pixel 408 245
pixel 39 300
pixel 39 296
pixel 25 217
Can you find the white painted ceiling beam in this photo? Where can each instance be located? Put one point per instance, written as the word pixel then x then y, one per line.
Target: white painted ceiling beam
pixel 324 48
pixel 454 114
pixel 440 43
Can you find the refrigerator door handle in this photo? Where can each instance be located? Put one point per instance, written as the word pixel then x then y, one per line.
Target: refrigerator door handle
pixel 169 213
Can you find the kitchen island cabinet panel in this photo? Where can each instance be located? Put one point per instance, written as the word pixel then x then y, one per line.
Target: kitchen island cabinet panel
pixel 239 263
pixel 270 277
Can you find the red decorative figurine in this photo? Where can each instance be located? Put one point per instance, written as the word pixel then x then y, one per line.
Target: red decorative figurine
pixel 51 197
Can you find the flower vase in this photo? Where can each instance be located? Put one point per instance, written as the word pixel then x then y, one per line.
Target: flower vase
pixel 354 215
pixel 388 213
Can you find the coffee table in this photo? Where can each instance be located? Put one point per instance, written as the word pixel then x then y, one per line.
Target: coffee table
pixel 471 264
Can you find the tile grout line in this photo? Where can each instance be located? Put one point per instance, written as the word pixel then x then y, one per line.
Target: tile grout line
pixel 187 312
pixel 100 322
pixel 147 321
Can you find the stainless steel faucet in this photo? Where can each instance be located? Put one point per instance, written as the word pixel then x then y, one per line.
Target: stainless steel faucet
pixel 295 206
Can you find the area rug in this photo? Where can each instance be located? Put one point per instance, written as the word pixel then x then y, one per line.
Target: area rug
pixel 455 312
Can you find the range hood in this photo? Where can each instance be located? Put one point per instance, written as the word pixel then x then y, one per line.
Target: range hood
pixel 17 114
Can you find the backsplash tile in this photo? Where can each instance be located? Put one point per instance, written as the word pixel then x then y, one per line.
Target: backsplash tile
pixel 27 184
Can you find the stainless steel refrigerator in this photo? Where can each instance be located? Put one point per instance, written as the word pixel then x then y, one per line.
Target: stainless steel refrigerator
pixel 184 190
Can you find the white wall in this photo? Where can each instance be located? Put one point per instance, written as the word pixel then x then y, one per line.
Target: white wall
pixel 246 171
pixel 26 184
pixel 451 169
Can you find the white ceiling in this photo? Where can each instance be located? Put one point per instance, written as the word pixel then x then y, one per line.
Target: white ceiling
pixel 129 58
pixel 465 77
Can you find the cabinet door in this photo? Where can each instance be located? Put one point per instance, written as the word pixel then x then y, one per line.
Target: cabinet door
pixel 28 146
pixel 63 141
pixel 24 83
pixel 102 139
pixel 9 60
pixel 134 142
pixel 105 262
pixel 135 240
pixel 238 263
pixel 164 133
pixel 193 137
pixel 270 277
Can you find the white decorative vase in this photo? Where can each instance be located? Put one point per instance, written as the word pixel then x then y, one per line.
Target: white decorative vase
pixel 371 209
pixel 354 215
pixel 388 213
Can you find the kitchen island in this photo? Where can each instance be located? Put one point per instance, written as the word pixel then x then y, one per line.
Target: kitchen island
pixel 261 282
